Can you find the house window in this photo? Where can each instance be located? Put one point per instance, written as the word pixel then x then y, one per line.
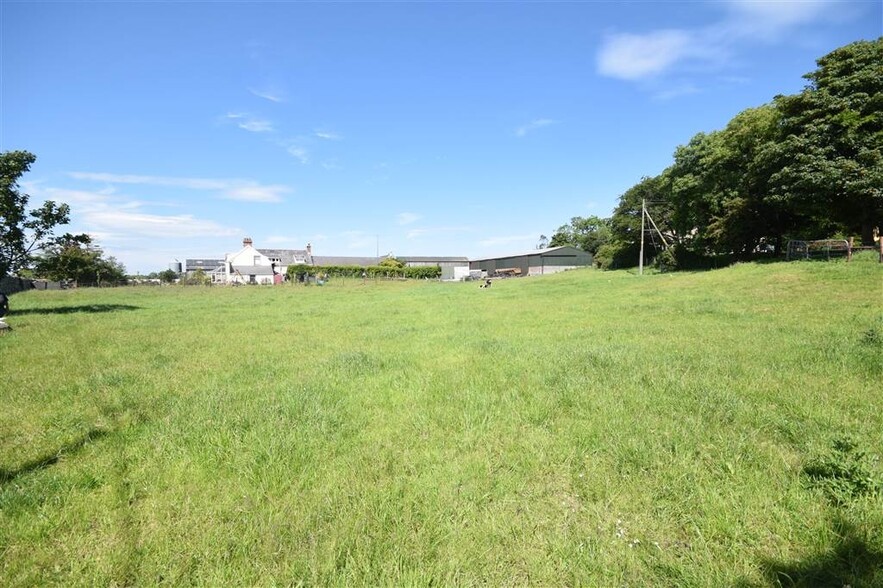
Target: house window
pixel 251 280
pixel 257 260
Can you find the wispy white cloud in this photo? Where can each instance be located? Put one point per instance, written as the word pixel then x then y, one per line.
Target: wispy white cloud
pixel 632 57
pixel 766 18
pixel 328 135
pixel 360 241
pixel 250 123
pixel 331 164
pixel 654 54
pixel 533 125
pixel 300 153
pixel 271 94
pixel 230 189
pixel 115 218
pixel 406 218
pixel 154 225
pixel 676 91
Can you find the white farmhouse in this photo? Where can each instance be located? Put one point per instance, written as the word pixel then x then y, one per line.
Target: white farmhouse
pixel 262 266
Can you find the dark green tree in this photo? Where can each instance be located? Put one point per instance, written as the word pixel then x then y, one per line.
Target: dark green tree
pixel 77 258
pixel 168 276
pixel 23 231
pixel 625 225
pixel 719 186
pixel 831 155
pixel 587 233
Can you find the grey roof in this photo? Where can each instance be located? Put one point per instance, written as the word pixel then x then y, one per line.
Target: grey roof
pixel 546 251
pixel 253 270
pixel 206 264
pixel 407 258
pixel 288 256
pixel 337 260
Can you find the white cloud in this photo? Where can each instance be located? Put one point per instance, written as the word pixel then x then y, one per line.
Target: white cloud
pixel 639 57
pixel 406 218
pixel 153 225
pixel 676 91
pixel 328 135
pixel 331 164
pixel 632 57
pixel 117 219
pixel 268 94
pixel 766 17
pixel 532 125
pixel 299 153
pixel 230 189
pixel 250 123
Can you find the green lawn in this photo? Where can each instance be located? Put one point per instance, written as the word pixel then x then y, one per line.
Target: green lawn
pixel 588 428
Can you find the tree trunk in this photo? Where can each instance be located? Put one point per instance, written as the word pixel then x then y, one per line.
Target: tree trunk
pixel 868 233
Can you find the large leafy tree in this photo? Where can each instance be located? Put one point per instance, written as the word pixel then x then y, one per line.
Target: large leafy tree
pixel 77 258
pixel 624 244
pixel 719 186
pixel 831 156
pixel 587 233
pixel 23 231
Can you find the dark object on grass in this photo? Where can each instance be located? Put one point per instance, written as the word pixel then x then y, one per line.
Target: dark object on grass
pixel 4 304
pixel 487 284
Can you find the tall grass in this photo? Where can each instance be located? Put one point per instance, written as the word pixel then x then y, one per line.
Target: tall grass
pixel 586 428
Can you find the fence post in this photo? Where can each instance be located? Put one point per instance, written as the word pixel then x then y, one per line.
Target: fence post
pixel 849 249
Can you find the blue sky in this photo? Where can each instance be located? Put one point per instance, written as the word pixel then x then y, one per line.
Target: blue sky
pixel 175 129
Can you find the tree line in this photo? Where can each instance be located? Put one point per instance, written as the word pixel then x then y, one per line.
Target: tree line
pixel 804 166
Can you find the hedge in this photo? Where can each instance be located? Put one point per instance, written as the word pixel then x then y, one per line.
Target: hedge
pixel 296 272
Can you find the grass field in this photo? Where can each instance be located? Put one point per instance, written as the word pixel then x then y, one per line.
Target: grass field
pixel 588 428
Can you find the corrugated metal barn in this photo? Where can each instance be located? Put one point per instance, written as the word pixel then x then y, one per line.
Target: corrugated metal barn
pixel 534 263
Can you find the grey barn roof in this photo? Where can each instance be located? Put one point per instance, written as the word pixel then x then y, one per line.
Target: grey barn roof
pixel 337 260
pixel 288 256
pixel 202 263
pixel 407 258
pixel 253 270
pixel 546 251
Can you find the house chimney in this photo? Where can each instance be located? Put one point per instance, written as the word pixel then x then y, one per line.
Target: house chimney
pixel 309 249
pixel 246 242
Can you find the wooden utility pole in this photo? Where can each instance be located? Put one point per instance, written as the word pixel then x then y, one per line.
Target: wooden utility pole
pixel 641 255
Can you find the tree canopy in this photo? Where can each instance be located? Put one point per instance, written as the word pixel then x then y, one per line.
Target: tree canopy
pixel 23 231
pixel 804 166
pixel 77 258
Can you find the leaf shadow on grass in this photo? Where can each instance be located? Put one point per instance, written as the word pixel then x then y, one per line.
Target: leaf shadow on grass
pixel 40 463
pixel 850 561
pixel 73 309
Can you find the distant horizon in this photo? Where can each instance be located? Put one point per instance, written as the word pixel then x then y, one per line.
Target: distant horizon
pixel 464 129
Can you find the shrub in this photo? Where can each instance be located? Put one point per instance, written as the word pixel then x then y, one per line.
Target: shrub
pixel 843 473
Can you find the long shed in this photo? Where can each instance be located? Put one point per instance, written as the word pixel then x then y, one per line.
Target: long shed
pixel 533 263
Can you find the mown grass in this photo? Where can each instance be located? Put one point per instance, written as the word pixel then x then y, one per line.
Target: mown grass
pixel 586 428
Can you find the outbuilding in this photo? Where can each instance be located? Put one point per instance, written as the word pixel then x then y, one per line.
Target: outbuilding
pixel 534 263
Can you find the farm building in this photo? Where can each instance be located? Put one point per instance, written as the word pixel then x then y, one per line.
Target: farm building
pixel 213 268
pixel 266 266
pixel 447 264
pixel 534 263
pixel 330 260
pixel 261 266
